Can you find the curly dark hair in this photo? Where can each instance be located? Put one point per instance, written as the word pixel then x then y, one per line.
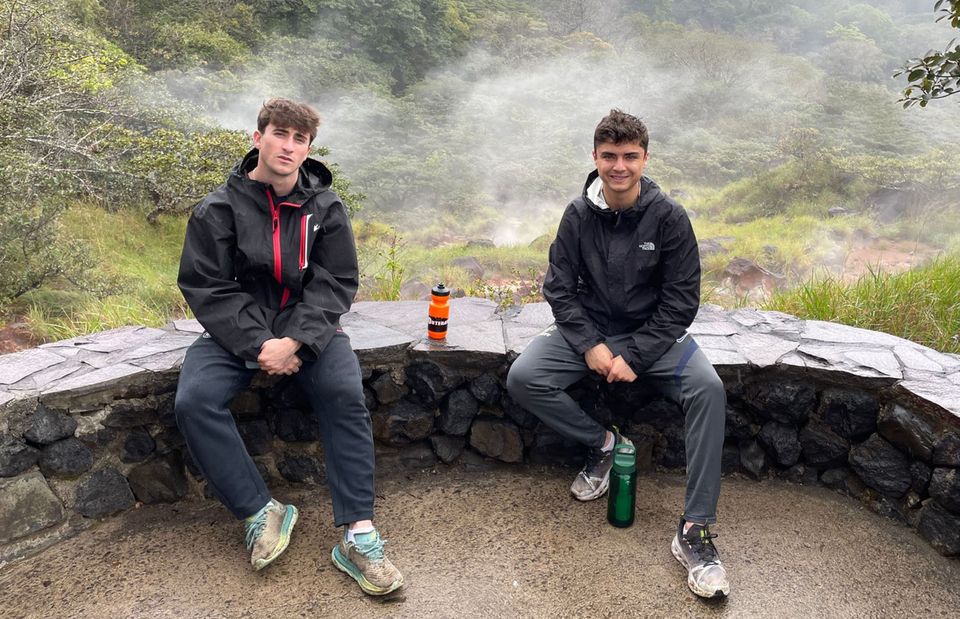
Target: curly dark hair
pixel 288 114
pixel 619 127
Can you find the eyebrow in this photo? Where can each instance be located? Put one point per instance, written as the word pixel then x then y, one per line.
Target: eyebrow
pixel 296 132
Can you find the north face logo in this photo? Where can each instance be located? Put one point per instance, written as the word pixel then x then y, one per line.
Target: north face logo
pixel 648 246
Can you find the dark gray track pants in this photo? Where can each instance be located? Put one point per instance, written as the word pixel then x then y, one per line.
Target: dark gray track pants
pixel 549 365
pixel 212 376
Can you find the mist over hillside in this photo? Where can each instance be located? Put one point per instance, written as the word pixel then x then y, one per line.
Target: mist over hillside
pixel 450 123
pixel 504 129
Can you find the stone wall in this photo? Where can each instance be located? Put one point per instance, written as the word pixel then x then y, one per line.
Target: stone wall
pixel 87 427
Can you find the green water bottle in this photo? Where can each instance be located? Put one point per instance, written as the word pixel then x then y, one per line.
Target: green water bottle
pixel 622 499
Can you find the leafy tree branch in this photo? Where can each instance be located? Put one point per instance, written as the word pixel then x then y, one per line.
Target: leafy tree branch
pixel 936 75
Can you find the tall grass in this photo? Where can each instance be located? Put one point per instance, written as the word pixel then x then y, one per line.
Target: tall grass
pixel 922 305
pixel 141 257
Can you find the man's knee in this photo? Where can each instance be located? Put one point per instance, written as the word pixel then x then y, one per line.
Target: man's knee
pixel 705 383
pixel 518 380
pixel 340 390
pixel 344 392
pixel 712 384
pixel 197 396
pixel 190 398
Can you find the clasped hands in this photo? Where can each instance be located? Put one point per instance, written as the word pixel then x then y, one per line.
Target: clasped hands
pixel 279 356
pixel 614 369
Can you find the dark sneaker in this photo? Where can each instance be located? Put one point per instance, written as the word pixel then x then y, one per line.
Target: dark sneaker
pixel 364 561
pixel 695 551
pixel 268 532
pixel 593 480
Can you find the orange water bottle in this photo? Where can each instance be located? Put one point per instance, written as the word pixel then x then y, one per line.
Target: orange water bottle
pixel 439 312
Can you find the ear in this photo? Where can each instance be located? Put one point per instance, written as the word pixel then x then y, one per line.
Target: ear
pixel 593 154
pixel 256 138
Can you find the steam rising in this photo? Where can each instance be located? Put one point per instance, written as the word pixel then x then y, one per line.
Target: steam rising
pixel 482 141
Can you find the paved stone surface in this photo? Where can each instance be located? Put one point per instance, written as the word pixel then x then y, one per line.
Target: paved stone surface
pixel 481 338
pixel 506 543
pixel 17 366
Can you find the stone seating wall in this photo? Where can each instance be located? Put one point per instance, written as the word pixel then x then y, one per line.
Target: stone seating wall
pixel 87 428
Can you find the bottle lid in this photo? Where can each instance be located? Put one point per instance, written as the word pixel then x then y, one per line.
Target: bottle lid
pixel 440 291
pixel 624 458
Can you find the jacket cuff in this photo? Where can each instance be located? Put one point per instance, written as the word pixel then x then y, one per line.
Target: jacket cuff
pixel 310 349
pixel 587 345
pixel 637 362
pixel 306 353
pixel 253 351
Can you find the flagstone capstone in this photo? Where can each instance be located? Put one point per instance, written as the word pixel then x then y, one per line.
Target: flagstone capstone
pixel 872 415
pixel 17 366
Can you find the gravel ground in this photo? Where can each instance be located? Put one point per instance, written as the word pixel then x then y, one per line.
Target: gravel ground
pixel 505 542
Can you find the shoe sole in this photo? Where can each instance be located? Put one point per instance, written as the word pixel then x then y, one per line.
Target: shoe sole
pixel 704 593
pixel 286 528
pixel 347 566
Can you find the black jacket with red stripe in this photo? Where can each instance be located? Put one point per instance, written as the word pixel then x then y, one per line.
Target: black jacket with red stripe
pixel 634 271
pixel 255 266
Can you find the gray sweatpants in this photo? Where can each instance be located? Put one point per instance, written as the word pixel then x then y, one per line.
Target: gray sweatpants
pixel 549 365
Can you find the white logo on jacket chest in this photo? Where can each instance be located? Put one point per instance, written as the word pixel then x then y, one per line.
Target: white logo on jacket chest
pixel 316 227
pixel 648 246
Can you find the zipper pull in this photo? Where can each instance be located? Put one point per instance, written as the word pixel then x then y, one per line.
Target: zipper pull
pixel 276 221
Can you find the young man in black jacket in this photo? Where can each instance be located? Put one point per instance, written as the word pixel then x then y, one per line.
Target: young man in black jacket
pixel 268 267
pixel 624 284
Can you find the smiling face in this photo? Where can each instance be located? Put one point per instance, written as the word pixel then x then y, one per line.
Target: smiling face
pixel 282 151
pixel 620 167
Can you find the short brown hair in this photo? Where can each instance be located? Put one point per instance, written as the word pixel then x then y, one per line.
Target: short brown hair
pixel 285 114
pixel 618 127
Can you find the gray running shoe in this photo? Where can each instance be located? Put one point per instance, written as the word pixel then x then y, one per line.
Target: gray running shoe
pixel 268 532
pixel 706 576
pixel 594 478
pixel 364 561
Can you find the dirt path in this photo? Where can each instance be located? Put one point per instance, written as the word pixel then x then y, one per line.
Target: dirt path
pixel 14 337
pixel 509 543
pixel 886 256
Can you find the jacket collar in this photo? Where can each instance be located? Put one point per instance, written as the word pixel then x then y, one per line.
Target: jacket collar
pixel 314 178
pixel 593 196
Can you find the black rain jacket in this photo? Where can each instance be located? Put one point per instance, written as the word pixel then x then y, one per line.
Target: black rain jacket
pixel 633 271
pixel 256 267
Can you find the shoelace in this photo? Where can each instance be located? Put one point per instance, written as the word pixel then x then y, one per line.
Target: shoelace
pixel 373 550
pixel 256 526
pixel 594 456
pixel 702 544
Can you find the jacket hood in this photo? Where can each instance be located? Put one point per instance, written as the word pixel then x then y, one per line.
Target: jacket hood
pixel 314 177
pixel 649 193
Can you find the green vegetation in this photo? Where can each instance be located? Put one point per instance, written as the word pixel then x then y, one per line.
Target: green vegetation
pixel 794 247
pixel 922 305
pixel 453 122
pixel 140 260
pixel 507 274
pixel 936 75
